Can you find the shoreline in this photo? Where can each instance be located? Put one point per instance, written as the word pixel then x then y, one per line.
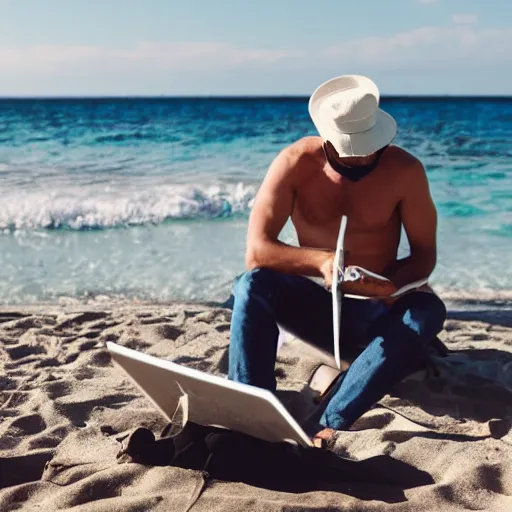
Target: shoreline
pixel 459 300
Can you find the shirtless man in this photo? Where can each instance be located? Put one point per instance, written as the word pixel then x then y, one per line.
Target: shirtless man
pixel 350 169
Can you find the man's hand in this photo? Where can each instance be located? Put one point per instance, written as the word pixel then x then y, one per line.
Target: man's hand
pixel 359 283
pixel 326 269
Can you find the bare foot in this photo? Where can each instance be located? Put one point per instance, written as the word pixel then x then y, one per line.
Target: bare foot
pixel 325 438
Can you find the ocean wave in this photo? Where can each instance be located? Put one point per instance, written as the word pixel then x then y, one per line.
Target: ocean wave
pixel 86 208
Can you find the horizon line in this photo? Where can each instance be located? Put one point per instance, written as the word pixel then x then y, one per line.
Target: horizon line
pixel 240 96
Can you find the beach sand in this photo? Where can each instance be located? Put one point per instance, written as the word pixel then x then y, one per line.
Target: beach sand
pixel 63 407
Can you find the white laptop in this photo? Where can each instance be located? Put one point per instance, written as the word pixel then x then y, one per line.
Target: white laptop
pixel 209 399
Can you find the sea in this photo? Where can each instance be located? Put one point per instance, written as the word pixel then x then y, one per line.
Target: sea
pixel 147 199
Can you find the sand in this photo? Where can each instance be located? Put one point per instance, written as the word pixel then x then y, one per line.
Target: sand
pixel 63 407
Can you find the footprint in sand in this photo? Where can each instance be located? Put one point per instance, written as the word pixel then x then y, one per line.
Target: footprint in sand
pixel 136 344
pixel 91 334
pixel 168 332
pixel 492 478
pixel 7 383
pixel 22 351
pixel 111 336
pixel 190 313
pixel 480 336
pixel 24 324
pixel 84 373
pixel 57 389
pixel 48 362
pixel 222 327
pixel 27 425
pixel 216 315
pixel 100 358
pixel 87 345
pixel 82 318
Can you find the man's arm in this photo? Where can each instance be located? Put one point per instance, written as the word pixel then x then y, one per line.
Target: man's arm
pixel 419 218
pixel 272 208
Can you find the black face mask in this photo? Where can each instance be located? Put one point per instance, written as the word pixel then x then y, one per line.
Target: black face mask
pixel 356 172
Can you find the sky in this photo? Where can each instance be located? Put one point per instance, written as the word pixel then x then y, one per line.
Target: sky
pixel 249 47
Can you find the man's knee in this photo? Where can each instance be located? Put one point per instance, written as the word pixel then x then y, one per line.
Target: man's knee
pixel 258 280
pixel 422 312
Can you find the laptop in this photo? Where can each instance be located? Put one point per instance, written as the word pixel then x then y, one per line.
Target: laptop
pixel 209 400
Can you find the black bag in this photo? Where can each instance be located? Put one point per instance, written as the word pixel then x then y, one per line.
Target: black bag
pixel 232 456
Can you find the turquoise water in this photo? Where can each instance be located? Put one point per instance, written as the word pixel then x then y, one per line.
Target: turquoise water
pixel 149 198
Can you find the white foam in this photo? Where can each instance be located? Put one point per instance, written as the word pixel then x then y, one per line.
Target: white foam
pixel 113 206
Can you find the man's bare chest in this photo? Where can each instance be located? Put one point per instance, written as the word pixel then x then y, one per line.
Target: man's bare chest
pixel 368 208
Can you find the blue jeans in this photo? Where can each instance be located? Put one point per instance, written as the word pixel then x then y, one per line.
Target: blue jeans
pixel 389 342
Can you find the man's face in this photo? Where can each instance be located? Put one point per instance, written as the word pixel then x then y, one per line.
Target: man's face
pixel 349 161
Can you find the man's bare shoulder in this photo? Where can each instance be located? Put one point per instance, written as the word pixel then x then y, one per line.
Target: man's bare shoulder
pixel 297 160
pixel 402 158
pixel 404 164
pixel 408 171
pixel 303 149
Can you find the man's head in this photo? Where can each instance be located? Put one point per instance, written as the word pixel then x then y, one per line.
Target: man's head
pixel 345 111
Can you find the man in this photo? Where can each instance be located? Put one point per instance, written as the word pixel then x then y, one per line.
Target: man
pixel 350 169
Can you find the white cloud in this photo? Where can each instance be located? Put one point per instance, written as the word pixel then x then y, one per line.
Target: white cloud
pixel 431 47
pixel 465 19
pixel 145 57
pixel 453 47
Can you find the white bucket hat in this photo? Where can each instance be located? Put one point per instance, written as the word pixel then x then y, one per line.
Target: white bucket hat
pixel 345 111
